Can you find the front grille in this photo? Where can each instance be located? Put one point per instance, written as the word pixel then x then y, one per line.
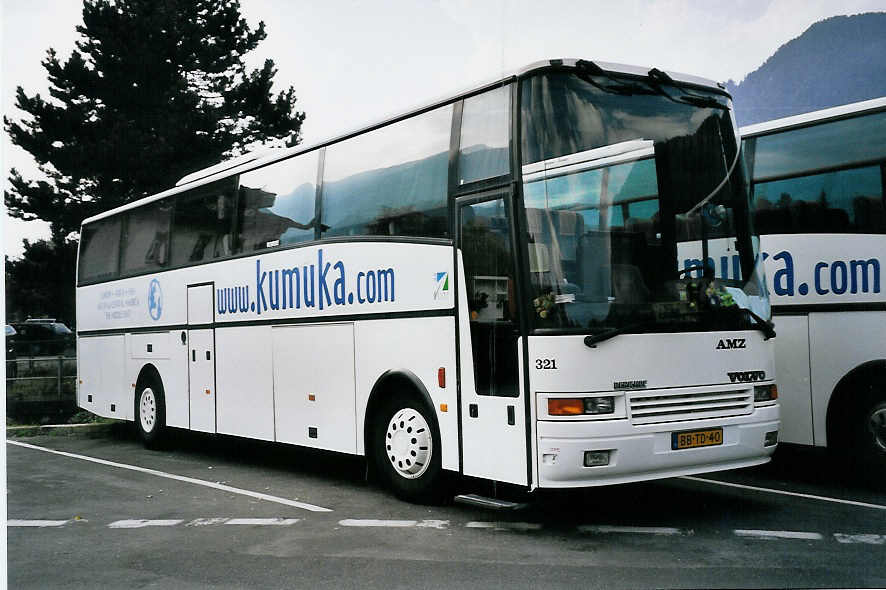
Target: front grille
pixel 655 407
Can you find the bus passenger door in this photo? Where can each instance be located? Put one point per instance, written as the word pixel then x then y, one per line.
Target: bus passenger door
pixel 493 417
pixel 201 358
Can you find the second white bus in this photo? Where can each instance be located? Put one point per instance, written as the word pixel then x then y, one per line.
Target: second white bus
pixel 818 186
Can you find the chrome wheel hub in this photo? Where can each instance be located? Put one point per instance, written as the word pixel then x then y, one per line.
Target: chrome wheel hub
pixel 147 411
pixel 408 443
pixel 877 426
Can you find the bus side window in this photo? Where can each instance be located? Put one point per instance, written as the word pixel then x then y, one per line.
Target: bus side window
pixel 489 274
pixel 391 181
pixel 202 224
pixel 485 133
pixel 798 187
pixel 99 249
pixel 277 204
pixel 146 237
pixel 841 201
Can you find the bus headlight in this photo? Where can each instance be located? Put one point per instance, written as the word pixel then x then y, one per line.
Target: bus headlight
pixel 599 405
pixel 578 406
pixel 765 393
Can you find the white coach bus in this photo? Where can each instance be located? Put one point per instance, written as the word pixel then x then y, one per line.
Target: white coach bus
pixel 487 286
pixel 818 186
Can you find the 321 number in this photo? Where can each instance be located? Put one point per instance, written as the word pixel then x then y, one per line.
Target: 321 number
pixel 545 363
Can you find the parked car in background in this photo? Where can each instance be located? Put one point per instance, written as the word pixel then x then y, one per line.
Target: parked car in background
pixel 43 337
pixel 11 367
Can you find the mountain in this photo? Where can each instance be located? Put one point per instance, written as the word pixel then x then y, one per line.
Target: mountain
pixel 835 61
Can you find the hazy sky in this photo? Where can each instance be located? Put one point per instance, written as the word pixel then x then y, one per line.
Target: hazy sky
pixel 353 62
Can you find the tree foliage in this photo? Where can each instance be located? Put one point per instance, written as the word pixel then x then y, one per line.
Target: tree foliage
pixel 154 89
pixel 41 283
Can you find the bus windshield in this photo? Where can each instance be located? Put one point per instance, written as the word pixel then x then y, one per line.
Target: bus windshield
pixel 637 207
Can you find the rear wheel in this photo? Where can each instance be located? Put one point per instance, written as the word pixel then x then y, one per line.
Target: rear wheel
pixel 857 429
pixel 150 412
pixel 871 425
pixel 406 451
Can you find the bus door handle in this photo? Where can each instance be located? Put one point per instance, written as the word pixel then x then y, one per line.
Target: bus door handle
pixel 207 355
pixel 193 356
pixel 511 418
pixel 472 410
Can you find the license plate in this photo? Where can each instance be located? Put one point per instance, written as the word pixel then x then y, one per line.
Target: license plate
pixel 689 439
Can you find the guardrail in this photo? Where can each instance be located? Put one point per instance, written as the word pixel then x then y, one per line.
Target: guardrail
pixel 41 379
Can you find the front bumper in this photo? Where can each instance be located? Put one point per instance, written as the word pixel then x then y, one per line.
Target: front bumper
pixel 644 452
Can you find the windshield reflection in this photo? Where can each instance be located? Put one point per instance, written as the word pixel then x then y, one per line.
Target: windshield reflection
pixel 649 232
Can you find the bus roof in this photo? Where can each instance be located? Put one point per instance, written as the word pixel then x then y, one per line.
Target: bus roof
pixel 840 112
pixel 264 157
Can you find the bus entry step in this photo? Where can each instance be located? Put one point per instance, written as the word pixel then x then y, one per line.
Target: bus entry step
pixel 488 503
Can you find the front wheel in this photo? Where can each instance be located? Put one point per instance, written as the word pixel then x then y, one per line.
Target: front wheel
pixel 406 449
pixel 150 415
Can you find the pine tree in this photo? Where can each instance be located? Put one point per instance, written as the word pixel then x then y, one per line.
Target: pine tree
pixel 41 283
pixel 154 89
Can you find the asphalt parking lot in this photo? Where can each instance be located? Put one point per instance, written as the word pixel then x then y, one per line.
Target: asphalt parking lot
pixel 221 512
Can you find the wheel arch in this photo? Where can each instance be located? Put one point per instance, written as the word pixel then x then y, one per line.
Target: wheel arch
pixel 846 395
pixel 400 381
pixel 148 371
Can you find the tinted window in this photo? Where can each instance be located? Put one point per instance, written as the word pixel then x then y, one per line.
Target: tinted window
pixel 391 181
pixel 489 274
pixel 146 238
pixel 202 223
pixel 822 146
pixel 483 151
pixel 845 201
pixel 100 250
pixel 567 112
pixel 277 203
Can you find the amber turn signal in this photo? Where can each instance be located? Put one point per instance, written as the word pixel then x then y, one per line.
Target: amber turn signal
pixel 566 406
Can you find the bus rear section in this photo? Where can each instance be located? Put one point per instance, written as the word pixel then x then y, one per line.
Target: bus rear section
pixel 818 182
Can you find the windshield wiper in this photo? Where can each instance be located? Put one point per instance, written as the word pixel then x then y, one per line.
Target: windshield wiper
pixel 592 340
pixel 650 86
pixel 660 77
pixel 701 101
pixel 765 326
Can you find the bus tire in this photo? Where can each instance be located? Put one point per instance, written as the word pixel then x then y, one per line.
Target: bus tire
pixel 150 411
pixel 870 428
pixel 406 450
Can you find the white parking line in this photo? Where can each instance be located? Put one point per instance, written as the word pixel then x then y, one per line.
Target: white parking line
pixel 397 524
pixel 504 526
pixel 860 538
pixel 433 524
pixel 140 523
pixel 778 534
pixel 207 521
pixel 35 523
pixel 785 493
pixel 638 530
pixel 263 521
pixel 199 482
pixel 369 522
